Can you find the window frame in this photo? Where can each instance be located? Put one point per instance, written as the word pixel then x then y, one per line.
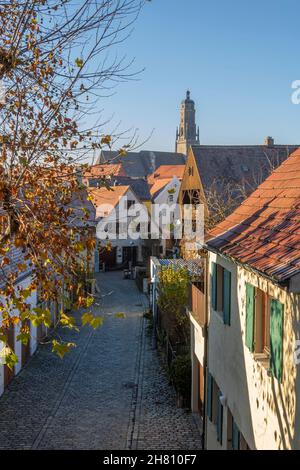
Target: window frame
pixel 218 294
pixel 263 354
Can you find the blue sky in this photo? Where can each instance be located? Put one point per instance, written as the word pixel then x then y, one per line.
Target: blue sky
pixel 238 58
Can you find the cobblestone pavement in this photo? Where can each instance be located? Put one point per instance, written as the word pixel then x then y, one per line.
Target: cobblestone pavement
pixel 108 393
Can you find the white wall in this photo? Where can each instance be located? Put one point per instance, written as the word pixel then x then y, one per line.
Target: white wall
pixel 32 300
pixel 163 196
pixel 199 340
pixel 266 412
pixel 197 355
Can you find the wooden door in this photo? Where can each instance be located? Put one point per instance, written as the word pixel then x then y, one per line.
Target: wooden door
pixel 8 373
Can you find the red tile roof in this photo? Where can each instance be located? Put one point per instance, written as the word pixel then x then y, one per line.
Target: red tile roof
pixel 264 231
pixel 158 186
pixel 109 169
pixel 166 171
pixel 105 199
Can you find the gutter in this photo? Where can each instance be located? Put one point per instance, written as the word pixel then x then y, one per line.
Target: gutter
pixel 283 284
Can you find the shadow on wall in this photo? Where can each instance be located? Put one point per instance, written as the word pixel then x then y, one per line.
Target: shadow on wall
pixel 285 398
pixel 276 406
pixel 227 362
pixel 272 408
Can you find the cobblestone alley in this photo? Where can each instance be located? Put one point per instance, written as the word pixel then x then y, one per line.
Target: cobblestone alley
pixel 108 393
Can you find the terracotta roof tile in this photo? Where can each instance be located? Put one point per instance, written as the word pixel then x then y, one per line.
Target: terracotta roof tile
pixel 105 199
pixel 97 171
pixel 158 186
pixel 264 231
pixel 166 171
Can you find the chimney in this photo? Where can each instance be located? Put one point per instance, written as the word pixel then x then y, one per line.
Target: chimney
pixel 153 161
pixel 269 142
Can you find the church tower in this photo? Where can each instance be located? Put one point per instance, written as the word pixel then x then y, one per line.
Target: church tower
pixel 187 134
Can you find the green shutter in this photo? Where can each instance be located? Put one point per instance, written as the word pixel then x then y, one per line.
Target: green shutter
pixel 276 338
pixel 214 286
pixel 250 292
pixel 209 395
pixel 220 420
pixel 235 437
pixel 226 296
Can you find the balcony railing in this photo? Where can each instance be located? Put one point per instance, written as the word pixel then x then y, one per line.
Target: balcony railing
pixel 197 305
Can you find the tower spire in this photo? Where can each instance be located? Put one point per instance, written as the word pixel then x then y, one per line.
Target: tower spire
pixel 188 133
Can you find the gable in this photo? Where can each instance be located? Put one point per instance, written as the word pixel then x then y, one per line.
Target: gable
pixel 191 181
pixel 162 195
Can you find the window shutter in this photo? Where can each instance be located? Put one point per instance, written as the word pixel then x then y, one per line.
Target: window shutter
pixel 250 290
pixel 209 395
pixel 220 420
pixel 235 437
pixel 214 286
pixel 226 296
pixel 276 338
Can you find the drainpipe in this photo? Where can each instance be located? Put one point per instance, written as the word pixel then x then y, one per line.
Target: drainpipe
pixel 154 307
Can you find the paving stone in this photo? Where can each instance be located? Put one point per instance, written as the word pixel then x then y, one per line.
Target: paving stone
pixel 108 393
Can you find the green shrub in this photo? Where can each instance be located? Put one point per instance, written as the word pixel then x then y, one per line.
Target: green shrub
pixel 180 374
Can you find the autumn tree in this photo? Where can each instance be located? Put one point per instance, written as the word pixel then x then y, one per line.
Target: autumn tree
pixel 54 69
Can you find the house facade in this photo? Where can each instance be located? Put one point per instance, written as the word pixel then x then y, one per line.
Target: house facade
pixel 197 314
pixel 113 248
pixel 23 352
pixel 82 218
pixel 252 379
pixel 252 374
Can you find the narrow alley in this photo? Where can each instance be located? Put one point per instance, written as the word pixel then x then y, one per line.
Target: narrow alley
pixel 108 393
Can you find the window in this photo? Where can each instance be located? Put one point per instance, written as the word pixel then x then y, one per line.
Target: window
pixel 190 171
pixel 250 304
pixel 220 419
pixel 235 439
pixel 171 197
pixel 221 291
pixel 214 406
pixel 233 433
pixel 262 323
pixel 130 203
pixel 264 329
pixel 257 321
pixel 276 338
